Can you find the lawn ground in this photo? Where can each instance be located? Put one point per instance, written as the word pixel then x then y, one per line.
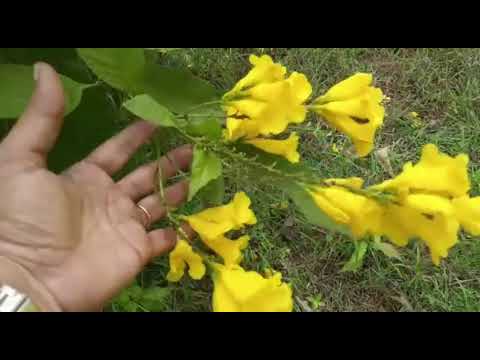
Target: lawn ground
pixel 443 87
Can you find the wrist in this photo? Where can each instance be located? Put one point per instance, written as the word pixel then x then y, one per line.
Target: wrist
pixel 19 278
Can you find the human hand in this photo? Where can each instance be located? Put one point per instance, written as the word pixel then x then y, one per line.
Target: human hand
pixel 74 240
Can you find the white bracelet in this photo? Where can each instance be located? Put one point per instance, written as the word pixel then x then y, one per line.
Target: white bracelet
pixel 12 300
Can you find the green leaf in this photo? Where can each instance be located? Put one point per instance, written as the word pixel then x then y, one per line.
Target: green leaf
pixel 206 167
pixel 356 260
pixel 92 123
pixel 204 126
pixel 123 298
pixel 135 291
pixel 387 249
pixel 3 57
pixel 127 69
pixel 130 307
pixel 177 89
pixel 309 208
pixel 121 68
pixel 147 108
pixel 213 193
pixel 65 60
pixel 204 121
pixel 17 85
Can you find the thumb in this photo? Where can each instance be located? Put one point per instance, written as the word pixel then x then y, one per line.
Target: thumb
pixel 39 126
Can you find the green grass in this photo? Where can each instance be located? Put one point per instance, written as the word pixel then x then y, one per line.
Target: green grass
pixel 443 86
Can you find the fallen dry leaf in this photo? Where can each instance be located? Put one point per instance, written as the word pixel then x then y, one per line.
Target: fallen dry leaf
pixel 384 159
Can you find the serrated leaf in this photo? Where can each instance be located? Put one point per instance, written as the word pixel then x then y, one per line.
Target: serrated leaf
pixel 307 206
pixel 145 107
pixel 121 68
pixel 206 166
pixel 213 193
pixel 177 89
pixel 17 85
pixel 387 249
pixel 356 260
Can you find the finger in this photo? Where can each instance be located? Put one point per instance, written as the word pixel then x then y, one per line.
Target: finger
pixel 141 182
pixel 112 155
pixel 164 240
pixel 174 196
pixel 38 127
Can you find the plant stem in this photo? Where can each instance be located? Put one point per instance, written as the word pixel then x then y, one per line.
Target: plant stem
pixel 204 104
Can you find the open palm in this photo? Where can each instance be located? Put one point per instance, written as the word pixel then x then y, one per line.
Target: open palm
pixel 80 234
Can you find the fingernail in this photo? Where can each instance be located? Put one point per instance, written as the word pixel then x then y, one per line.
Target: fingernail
pixel 36 71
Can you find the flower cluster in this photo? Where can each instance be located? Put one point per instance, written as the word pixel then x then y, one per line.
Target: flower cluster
pixel 234 288
pixel 354 107
pixel 428 200
pixel 265 102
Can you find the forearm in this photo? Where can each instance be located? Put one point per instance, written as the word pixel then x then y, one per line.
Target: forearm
pixel 22 280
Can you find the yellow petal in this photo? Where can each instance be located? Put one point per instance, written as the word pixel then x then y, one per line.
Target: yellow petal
pixel 243 214
pixel 354 108
pixel 363 148
pixel 237 129
pixel 237 290
pixel 264 71
pixel 230 110
pixel 364 213
pixel 268 71
pixel 250 108
pixel 354 129
pixel 222 300
pixel 182 255
pixel 468 213
pixel 286 148
pixel 362 134
pixel 394 224
pixel 440 236
pixel 435 173
pixel 365 108
pixel 439 232
pixel 430 204
pixel 267 100
pixel 214 222
pixel 281 107
pixel 332 211
pixel 351 87
pixel 229 250
pixel 300 87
